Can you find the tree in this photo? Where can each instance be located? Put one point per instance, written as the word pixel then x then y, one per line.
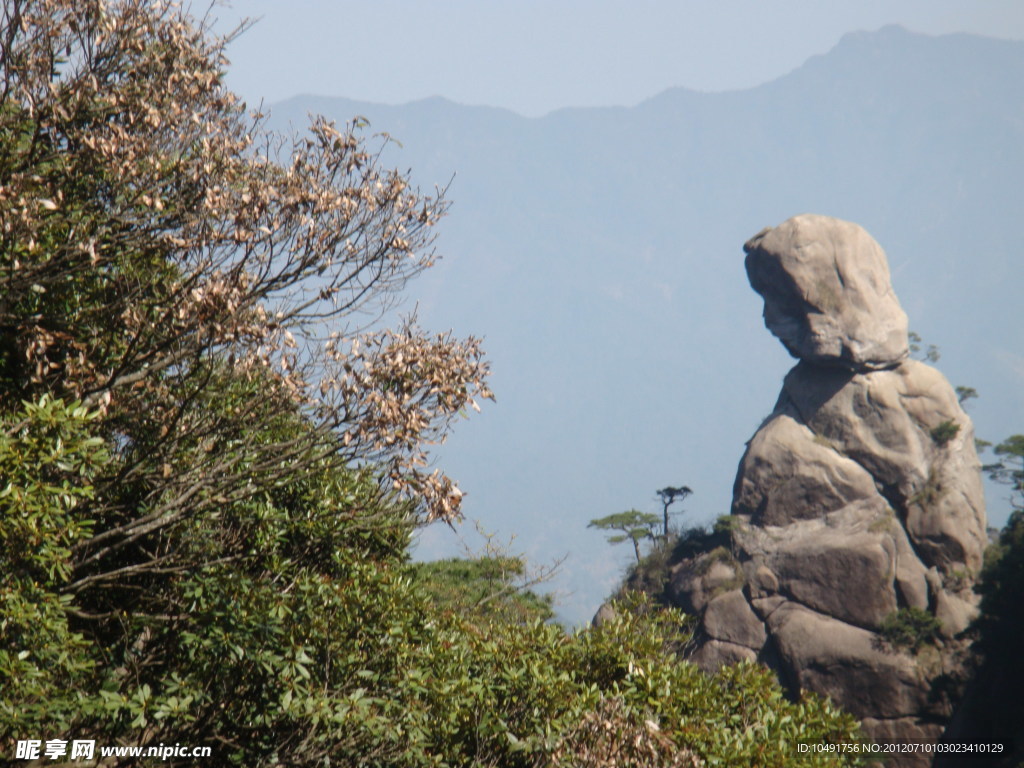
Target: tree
pixel 929 355
pixel 992 708
pixel 634 524
pixel 669 496
pixel 964 393
pixel 491 583
pixel 151 235
pixel 192 294
pixel 1009 470
pixel 165 260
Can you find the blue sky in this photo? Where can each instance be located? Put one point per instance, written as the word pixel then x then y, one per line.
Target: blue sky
pixel 534 56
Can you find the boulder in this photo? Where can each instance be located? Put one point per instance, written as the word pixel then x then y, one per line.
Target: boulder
pixel 840 573
pixel 788 473
pixel 841 564
pixel 889 422
pixel 827 293
pixel 714 654
pixel 730 618
pixel 761 580
pixel 911 575
pixel 954 613
pixel 765 606
pixel 845 663
pixel 604 614
pixel 858 497
pixel 694 582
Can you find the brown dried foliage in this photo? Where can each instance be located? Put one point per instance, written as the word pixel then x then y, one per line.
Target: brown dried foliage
pixel 158 243
pixel 611 736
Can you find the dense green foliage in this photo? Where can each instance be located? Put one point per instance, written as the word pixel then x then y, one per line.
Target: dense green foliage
pixel 484 589
pixel 992 710
pixel 944 432
pixel 320 643
pixel 208 483
pixel 910 628
pixel 323 642
pixel 47 459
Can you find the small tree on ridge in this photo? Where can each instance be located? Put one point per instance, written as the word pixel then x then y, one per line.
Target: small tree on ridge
pixel 634 524
pixel 669 496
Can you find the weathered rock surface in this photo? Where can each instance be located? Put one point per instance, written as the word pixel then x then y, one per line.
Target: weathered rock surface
pixel 716 653
pixel 821 566
pixel 788 471
pixel 887 422
pixel 858 498
pixel 695 582
pixel 818 652
pixel 605 613
pixel 730 618
pixel 827 292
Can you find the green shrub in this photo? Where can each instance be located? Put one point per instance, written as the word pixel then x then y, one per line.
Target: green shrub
pixel 944 432
pixel 48 457
pixel 482 589
pixel 651 574
pixel 318 645
pixel 910 628
pixel 726 524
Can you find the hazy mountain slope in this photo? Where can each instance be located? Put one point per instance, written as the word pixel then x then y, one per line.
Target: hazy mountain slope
pixel 600 253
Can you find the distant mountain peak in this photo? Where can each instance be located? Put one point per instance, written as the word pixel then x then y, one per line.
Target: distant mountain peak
pixel 888 32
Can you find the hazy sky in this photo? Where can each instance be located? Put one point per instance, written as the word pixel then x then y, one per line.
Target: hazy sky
pixel 533 56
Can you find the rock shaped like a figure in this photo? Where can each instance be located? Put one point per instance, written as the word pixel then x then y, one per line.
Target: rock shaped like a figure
pixel 827 293
pixel 858 502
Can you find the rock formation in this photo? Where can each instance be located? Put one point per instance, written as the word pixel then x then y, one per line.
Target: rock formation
pixel 858 501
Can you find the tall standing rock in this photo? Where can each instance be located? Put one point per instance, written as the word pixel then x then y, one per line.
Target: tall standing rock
pixel 827 293
pixel 857 502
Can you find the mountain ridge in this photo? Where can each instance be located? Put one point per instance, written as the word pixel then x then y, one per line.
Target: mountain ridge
pixel 849 44
pixel 598 250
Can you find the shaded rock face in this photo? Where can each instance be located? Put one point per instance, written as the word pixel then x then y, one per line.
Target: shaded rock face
pixel 858 497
